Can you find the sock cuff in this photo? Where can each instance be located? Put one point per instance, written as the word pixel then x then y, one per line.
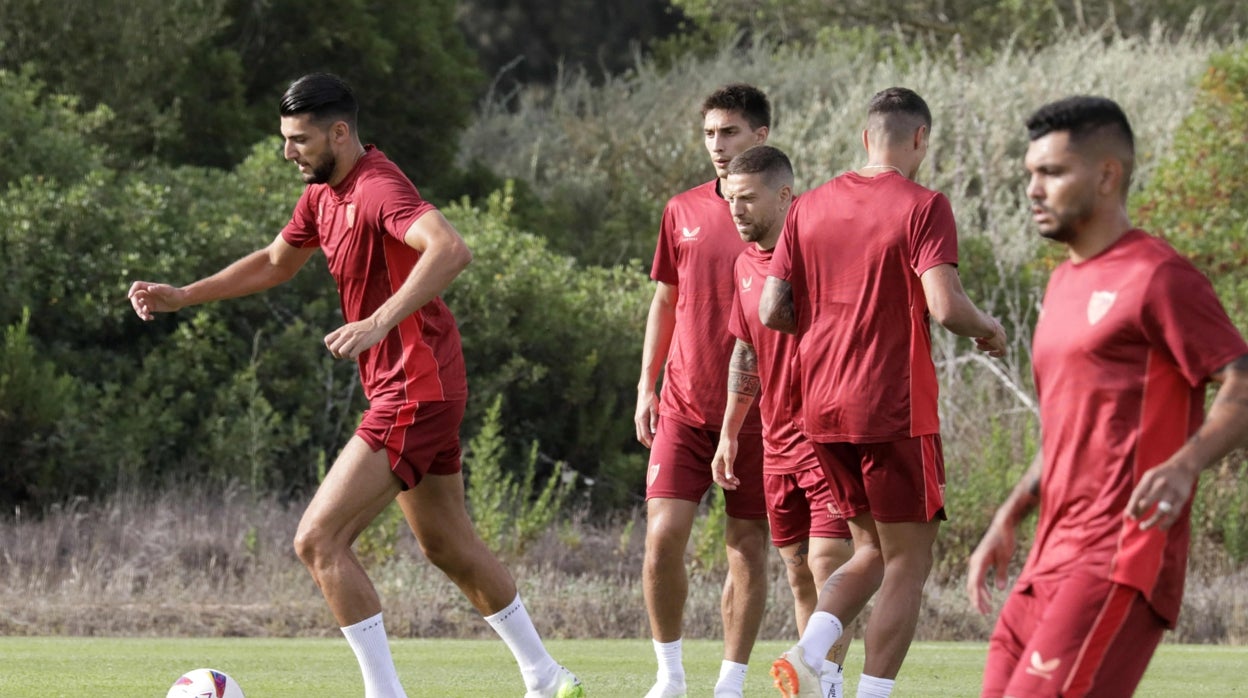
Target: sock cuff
pixel 504 614
pixel 364 626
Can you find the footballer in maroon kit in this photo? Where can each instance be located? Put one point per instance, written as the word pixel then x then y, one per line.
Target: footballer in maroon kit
pixel 1129 336
pixel 864 262
pixel 687 338
pixel 391 254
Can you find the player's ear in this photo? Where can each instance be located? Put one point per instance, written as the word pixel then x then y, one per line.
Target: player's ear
pixel 1111 173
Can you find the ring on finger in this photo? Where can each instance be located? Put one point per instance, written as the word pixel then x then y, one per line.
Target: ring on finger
pixel 1165 507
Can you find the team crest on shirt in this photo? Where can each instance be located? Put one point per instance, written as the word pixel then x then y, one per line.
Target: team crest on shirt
pixel 350 215
pixel 1099 304
pixel 746 283
pixel 690 234
pixel 1041 668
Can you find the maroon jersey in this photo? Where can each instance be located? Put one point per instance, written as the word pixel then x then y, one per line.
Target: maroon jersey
pixel 1122 351
pixel 785 448
pixel 698 245
pixel 853 250
pixel 360 225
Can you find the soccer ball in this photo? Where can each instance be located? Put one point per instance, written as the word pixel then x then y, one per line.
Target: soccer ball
pixel 204 683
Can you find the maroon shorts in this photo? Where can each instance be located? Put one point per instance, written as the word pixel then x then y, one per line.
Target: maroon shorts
pixel 419 437
pixel 1079 636
pixel 799 507
pixel 680 468
pixel 894 482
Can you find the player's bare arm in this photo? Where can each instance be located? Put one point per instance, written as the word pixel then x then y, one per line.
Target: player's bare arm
pixel 775 306
pixel 444 254
pixel 660 324
pixel 997 546
pixel 743 387
pixel 949 305
pixel 1164 490
pixel 258 271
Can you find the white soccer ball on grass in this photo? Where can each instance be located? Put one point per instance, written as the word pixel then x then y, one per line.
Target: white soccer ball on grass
pixel 204 683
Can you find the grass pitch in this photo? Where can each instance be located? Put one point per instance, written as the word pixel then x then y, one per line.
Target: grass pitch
pixel 55 667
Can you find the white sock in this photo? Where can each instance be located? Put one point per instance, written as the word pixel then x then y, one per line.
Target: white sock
pixel 516 628
pixel 368 640
pixel 822 631
pixel 671 668
pixel 872 687
pixel 832 680
pixel 731 679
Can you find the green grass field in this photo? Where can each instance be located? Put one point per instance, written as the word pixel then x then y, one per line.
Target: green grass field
pixel 135 668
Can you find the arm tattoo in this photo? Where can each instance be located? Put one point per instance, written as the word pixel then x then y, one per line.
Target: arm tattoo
pixel 743 370
pixel 784 308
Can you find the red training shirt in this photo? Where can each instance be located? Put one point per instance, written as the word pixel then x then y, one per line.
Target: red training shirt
pixel 360 225
pixel 698 245
pixel 853 250
pixel 1123 349
pixel 785 449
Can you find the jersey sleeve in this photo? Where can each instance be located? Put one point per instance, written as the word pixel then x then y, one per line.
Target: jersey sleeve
pixel 665 268
pixel 301 231
pixel 737 325
pixel 934 235
pixel 782 257
pixel 398 204
pixel 1183 318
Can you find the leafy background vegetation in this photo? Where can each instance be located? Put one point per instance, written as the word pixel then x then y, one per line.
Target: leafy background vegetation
pixel 138 140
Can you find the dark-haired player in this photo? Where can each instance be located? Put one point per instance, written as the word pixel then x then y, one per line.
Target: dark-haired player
pixel 865 262
pixel 1129 337
pixel 812 541
pixel 687 338
pixel 391 254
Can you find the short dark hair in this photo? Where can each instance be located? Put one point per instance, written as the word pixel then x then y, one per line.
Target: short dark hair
pixel 1090 120
pixel 766 160
pixel 899 110
pixel 747 99
pixel 325 96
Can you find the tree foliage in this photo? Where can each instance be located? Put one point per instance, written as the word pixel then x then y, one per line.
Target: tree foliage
pixel 197 81
pixel 982 26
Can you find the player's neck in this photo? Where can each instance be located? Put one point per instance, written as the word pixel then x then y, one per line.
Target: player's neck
pixel 1095 239
pixel 346 164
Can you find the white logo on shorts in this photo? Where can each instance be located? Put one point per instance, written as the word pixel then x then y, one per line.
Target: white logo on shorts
pixel 1041 668
pixel 653 474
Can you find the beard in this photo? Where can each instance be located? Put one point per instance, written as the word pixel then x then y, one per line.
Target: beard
pixel 321 171
pixel 1066 223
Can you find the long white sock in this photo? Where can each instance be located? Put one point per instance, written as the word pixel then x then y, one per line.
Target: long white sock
pixel 873 687
pixel 368 640
pixel 731 679
pixel 516 628
pixel 832 680
pixel 822 631
pixel 671 666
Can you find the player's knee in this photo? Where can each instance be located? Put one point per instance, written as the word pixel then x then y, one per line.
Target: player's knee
pixel 309 544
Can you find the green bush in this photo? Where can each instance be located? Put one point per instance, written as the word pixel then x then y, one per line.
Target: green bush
pixel 1198 200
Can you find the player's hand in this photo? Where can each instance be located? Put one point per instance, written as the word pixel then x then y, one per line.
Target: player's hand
pixel 1162 494
pixel 996 344
pixel 993 552
pixel 149 298
pixel 353 338
pixel 721 465
pixel 646 418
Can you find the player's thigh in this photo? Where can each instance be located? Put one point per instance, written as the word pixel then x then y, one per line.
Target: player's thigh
pixel 436 513
pixel 748 500
pixel 669 523
pixel 355 490
pixel 1014 627
pixel 788 512
pixel 680 461
pixel 905 480
pixel 418 438
pixel 827 555
pixel 1091 637
pixel 824 521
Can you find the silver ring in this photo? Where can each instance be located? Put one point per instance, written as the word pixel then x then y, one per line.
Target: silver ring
pixel 1164 507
